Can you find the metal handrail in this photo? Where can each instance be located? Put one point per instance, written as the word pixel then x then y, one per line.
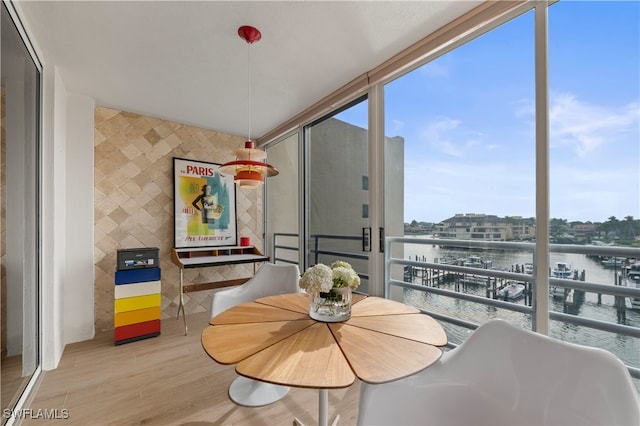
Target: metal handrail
pixel 316 250
pixel 621 291
pixel 277 246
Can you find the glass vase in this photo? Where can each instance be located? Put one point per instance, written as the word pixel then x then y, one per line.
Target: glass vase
pixel 333 306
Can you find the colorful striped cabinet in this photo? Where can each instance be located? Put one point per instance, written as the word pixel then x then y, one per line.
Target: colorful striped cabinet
pixel 137 305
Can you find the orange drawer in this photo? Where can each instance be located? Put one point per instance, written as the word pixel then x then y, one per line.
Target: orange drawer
pixel 134 317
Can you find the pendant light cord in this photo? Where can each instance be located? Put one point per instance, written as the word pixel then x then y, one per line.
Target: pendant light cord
pixel 249 90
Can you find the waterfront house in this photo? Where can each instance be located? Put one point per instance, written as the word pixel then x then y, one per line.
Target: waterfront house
pixel 475 226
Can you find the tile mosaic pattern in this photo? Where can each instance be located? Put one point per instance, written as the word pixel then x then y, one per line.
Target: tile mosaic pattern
pixel 133 203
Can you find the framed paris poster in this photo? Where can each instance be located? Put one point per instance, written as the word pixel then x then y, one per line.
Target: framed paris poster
pixel 204 205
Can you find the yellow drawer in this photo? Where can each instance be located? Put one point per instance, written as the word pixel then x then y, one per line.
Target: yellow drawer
pixel 134 303
pixel 137 316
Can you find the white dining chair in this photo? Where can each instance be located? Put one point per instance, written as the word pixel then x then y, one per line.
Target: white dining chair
pixel 269 280
pixel 505 375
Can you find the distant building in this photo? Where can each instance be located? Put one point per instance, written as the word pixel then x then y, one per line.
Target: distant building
pixel 418 228
pixel 584 231
pixel 473 226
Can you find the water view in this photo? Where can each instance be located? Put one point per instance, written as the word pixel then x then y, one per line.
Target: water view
pixel 591 306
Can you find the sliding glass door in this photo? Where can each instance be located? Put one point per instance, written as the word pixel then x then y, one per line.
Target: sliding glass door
pixel 337 190
pixel 20 106
pixel 282 202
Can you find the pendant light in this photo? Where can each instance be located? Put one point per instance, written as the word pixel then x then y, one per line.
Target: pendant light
pixel 249 168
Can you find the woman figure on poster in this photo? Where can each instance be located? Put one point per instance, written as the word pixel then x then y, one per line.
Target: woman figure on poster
pixel 210 210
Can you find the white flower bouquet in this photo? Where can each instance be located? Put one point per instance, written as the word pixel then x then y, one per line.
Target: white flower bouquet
pixel 322 278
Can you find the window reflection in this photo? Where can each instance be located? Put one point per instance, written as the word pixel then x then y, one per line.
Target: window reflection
pixel 19 99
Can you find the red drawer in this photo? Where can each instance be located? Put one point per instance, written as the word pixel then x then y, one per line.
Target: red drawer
pixel 139 330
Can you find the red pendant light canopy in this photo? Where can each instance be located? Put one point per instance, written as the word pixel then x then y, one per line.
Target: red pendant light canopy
pixel 249 168
pixel 249 34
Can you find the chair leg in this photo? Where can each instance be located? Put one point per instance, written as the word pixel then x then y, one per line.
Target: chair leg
pixel 253 393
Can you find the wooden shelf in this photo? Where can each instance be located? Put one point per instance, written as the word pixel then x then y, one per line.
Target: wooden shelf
pixel 204 257
pixel 190 288
pixel 216 256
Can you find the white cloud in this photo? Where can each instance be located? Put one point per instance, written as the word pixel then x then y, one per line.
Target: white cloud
pixel 436 189
pixel 438 133
pixel 598 177
pixel 396 128
pixel 579 193
pixel 449 137
pixel 584 127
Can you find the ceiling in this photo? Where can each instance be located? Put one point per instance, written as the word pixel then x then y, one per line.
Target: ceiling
pixel 183 60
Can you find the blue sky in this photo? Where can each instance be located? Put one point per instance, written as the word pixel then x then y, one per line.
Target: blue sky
pixel 467 119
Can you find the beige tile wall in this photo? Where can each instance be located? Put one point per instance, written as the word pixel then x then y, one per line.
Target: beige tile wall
pixel 133 168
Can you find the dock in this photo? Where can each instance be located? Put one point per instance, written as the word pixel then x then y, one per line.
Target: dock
pixel 493 287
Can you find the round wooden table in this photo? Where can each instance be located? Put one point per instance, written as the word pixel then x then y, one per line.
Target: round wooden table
pixel 273 339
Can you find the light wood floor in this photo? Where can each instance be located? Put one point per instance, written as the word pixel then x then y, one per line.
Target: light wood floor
pixel 12 381
pixel 166 380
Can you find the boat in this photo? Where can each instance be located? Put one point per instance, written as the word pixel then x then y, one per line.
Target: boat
pixel 633 303
pixel 633 273
pixel 513 291
pixel 633 280
pixel 476 262
pixel 613 262
pixel 561 270
pixel 528 268
pixel 446 260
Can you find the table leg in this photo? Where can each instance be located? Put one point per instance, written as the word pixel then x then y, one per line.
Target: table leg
pixel 323 404
pixel 323 410
pixel 181 305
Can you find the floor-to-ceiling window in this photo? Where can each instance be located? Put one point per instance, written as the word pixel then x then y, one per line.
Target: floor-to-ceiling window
pixel 469 156
pixel 282 229
pixel 471 166
pixel 337 190
pixel 594 161
pixel 479 167
pixel 20 106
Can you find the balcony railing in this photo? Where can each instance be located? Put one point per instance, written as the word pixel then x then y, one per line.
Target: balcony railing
pixel 436 273
pixel 421 275
pixel 283 251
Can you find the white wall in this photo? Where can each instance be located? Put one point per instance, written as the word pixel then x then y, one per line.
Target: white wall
pixel 79 276
pixel 54 117
pixel 67 218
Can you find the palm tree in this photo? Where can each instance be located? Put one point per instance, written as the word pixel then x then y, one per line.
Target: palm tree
pixel 630 227
pixel 611 226
pixel 557 226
